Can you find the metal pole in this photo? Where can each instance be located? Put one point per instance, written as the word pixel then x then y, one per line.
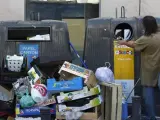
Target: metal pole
pixel 136 108
pixel 116 13
pixel 140 1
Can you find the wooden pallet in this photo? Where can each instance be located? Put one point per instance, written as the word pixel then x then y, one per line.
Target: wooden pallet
pixel 111 108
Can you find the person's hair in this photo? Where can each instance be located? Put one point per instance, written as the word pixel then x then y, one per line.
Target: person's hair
pixel 150 25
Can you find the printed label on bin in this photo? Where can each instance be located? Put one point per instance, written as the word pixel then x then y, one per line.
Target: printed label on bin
pixel 124 68
pixel 123 62
pixel 29 50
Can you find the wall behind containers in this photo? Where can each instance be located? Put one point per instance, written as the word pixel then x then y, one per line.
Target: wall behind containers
pixel 148 7
pixel 12 9
pixel 76 29
pixel 74 14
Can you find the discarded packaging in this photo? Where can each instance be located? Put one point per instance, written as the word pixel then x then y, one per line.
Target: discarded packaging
pixel 39 93
pixel 31 111
pixel 85 89
pixel 35 75
pixel 21 86
pixel 69 70
pixel 93 103
pixel 73 96
pixel 46 102
pixel 70 85
pixel 26 101
pixel 40 37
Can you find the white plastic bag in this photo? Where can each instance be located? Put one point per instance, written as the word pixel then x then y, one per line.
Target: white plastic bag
pixel 104 74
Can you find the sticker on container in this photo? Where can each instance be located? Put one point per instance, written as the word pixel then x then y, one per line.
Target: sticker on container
pixel 31 51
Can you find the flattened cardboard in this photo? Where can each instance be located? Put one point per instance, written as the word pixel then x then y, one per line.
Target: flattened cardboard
pixel 78 95
pixel 35 76
pixel 47 102
pixel 85 89
pixel 86 115
pixel 54 86
pixel 93 103
pixel 31 111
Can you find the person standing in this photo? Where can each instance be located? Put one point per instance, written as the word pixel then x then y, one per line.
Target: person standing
pixel 149 46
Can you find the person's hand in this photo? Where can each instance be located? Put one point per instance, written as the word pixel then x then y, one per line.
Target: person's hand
pixel 121 42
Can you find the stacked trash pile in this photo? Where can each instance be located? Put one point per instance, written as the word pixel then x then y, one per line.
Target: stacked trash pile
pixel 70 93
pixel 31 92
pixel 78 89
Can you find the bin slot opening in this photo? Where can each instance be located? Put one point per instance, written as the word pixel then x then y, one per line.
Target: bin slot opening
pixel 29 33
pixel 123 31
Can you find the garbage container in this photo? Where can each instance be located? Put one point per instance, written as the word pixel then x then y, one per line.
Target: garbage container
pixel 35 39
pixel 100 42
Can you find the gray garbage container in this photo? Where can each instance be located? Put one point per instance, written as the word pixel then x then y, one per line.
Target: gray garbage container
pixel 99 45
pixel 52 40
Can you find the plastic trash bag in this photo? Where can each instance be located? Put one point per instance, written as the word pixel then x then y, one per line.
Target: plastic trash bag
pixel 26 101
pixel 39 93
pixel 104 74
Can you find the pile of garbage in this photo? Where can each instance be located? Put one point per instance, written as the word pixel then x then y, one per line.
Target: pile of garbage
pixel 74 91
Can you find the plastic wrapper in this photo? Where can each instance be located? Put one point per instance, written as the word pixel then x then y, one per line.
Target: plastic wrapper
pixel 39 93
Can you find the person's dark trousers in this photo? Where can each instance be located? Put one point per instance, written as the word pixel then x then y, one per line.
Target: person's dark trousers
pixel 148 95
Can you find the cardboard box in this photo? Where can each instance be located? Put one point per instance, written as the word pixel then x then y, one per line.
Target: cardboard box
pixel 54 86
pixel 33 111
pixel 96 102
pixel 46 102
pixel 86 115
pixel 92 103
pixel 78 94
pixel 69 70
